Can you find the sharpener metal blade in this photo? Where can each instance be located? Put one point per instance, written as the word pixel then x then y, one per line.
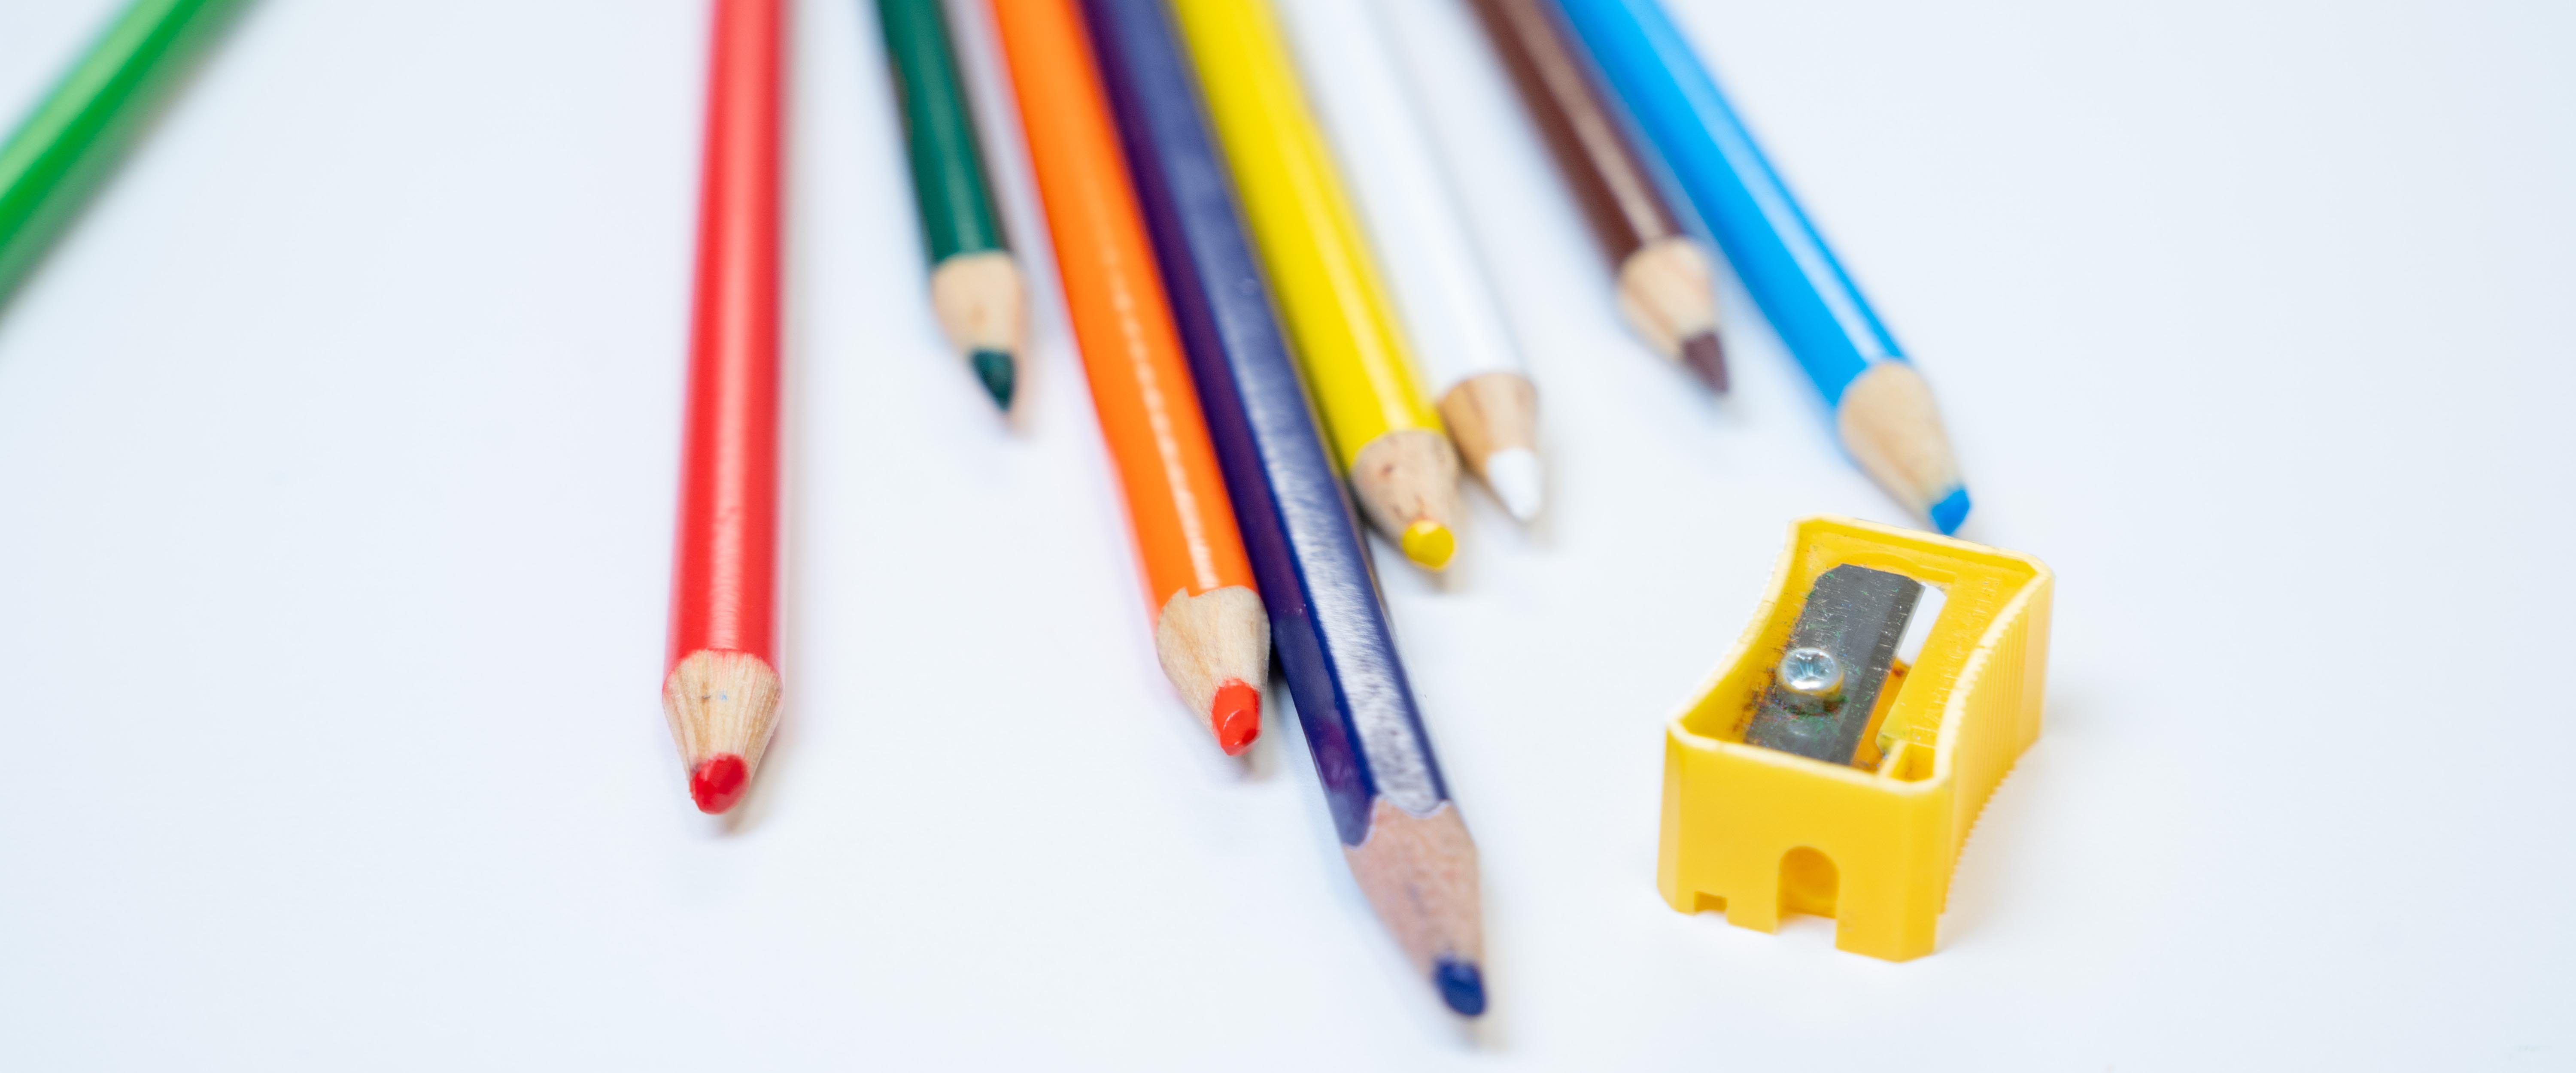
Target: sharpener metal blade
pixel 1856 615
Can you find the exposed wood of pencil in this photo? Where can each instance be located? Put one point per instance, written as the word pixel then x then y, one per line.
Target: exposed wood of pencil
pixel 982 301
pixel 721 704
pixel 1490 413
pixel 1668 303
pixel 1215 644
pixel 1419 872
pixel 721 686
pixel 1407 483
pixel 1493 417
pixel 1667 293
pixel 1892 428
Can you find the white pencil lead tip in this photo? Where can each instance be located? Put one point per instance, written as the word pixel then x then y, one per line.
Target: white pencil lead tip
pixel 1514 475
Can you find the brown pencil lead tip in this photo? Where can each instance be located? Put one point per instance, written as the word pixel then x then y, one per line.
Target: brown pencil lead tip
pixel 1706 357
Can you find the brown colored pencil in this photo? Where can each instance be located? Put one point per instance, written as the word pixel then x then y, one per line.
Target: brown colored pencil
pixel 1664 274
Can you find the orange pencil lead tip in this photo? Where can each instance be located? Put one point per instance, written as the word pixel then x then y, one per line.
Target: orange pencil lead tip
pixel 717 784
pixel 1237 716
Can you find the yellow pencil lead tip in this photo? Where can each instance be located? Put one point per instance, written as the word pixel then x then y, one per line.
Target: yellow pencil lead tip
pixel 1428 543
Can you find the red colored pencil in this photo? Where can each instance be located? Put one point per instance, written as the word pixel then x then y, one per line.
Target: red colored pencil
pixel 721 687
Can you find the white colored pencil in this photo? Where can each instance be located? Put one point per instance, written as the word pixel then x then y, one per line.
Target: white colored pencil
pixel 1441 294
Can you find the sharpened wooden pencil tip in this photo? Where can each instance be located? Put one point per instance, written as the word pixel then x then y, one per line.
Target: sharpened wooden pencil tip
pixel 1666 294
pixel 1214 646
pixel 1419 873
pixel 717 784
pixel 1237 716
pixel 1891 427
pixel 1407 481
pixel 983 306
pixel 1493 418
pixel 722 705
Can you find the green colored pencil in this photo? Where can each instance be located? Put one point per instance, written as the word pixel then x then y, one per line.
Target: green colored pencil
pixel 61 151
pixel 975 286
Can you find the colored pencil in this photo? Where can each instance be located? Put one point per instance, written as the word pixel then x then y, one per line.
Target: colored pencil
pixel 1401 464
pixel 1210 628
pixel 1664 276
pixel 67 146
pixel 1882 407
pixel 1399 830
pixel 1441 295
pixel 975 284
pixel 721 688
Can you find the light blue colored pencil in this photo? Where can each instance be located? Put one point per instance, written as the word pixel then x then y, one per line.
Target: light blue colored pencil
pixel 1882 407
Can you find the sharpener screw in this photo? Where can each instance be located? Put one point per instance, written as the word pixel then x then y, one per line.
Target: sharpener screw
pixel 1811 672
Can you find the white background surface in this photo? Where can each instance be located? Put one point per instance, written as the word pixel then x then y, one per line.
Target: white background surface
pixel 337 453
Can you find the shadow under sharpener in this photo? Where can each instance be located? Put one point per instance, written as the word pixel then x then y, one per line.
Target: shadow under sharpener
pixel 1783 794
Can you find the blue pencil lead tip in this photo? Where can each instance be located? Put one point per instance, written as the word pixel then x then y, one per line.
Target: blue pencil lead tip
pixel 1461 986
pixel 1951 511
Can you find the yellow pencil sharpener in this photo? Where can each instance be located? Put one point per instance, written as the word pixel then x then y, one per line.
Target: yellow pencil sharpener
pixel 1836 762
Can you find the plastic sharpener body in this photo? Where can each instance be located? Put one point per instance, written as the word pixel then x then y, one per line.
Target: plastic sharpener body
pixel 1760 833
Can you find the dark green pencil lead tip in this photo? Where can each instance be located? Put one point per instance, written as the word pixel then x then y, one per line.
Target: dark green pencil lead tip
pixel 994 368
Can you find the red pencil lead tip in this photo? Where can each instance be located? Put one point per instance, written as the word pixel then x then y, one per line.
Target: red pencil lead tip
pixel 1237 714
pixel 717 784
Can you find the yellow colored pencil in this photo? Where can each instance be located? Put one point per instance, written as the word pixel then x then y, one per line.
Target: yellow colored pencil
pixel 1402 469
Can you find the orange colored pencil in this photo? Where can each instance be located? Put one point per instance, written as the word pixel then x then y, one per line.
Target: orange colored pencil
pixel 1210 628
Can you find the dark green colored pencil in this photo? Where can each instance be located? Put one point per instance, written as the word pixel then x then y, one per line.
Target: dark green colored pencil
pixel 62 150
pixel 975 286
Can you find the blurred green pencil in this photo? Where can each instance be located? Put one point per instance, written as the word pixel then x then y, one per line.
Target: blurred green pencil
pixel 61 151
pixel 975 286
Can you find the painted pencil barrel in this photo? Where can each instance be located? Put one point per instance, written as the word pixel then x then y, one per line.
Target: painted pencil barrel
pixel 69 142
pixel 724 584
pixel 1442 301
pixel 1784 264
pixel 948 180
pixel 1610 184
pixel 1130 349
pixel 1327 280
